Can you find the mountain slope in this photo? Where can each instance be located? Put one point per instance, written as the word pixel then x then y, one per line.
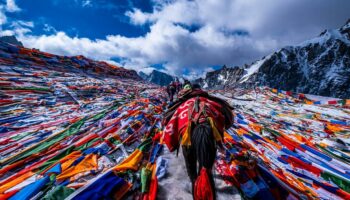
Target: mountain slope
pixel 221 78
pixel 18 55
pixel 58 110
pixel 318 66
pixel 157 77
pixel 11 40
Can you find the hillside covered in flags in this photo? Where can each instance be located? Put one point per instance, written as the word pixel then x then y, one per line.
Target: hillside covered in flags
pixel 301 145
pixel 69 122
pixel 74 128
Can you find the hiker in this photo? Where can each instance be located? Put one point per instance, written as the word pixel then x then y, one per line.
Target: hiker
pixel 186 82
pixel 197 121
pixel 168 91
pixel 171 91
pixel 177 85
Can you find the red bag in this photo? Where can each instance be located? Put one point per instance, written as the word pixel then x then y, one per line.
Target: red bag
pixel 202 188
pixel 152 194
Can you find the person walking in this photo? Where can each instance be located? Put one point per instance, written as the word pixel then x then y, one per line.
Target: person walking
pixel 197 121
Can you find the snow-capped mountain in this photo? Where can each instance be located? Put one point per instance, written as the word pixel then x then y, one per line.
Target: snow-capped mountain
pixel 318 66
pixel 221 78
pixel 157 77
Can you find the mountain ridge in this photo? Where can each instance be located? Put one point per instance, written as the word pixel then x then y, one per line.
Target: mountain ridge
pixel 319 66
pixel 11 40
pixel 28 56
pixel 157 77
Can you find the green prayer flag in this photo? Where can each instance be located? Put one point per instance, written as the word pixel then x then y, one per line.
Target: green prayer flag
pixel 56 158
pixel 342 183
pixel 88 144
pixel 73 129
pixel 58 193
pixel 145 145
pixel 145 179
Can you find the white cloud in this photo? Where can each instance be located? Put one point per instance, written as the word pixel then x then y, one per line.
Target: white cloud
pixel 50 29
pixel 270 24
pixel 28 24
pixel 137 17
pixel 165 43
pixel 195 74
pixel 11 6
pixel 147 70
pixel 86 3
pixel 61 43
pixel 19 28
pixel 7 33
pixel 3 18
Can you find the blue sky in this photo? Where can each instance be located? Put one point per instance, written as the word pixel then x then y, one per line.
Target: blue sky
pixel 177 36
pixel 91 19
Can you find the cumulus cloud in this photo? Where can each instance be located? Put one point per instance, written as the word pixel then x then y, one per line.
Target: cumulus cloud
pixel 137 17
pixel 62 44
pixel 193 36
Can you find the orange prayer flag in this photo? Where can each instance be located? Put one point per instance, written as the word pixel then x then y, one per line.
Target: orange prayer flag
pixel 69 159
pixel 347 102
pixel 14 182
pixel 309 102
pixel 255 127
pixel 334 128
pixel 87 164
pixel 130 162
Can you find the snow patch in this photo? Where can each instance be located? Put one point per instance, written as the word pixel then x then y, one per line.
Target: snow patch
pixel 346 26
pixel 320 98
pixel 284 56
pixel 329 34
pixel 222 79
pixel 205 85
pixel 253 69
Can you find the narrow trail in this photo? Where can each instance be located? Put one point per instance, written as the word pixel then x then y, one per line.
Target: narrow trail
pixel 176 185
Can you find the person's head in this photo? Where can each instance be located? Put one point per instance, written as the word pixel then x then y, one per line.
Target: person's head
pixel 187 86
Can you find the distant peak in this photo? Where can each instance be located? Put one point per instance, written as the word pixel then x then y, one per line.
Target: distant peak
pixel 346 26
pixel 347 22
pixel 157 77
pixel 11 40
